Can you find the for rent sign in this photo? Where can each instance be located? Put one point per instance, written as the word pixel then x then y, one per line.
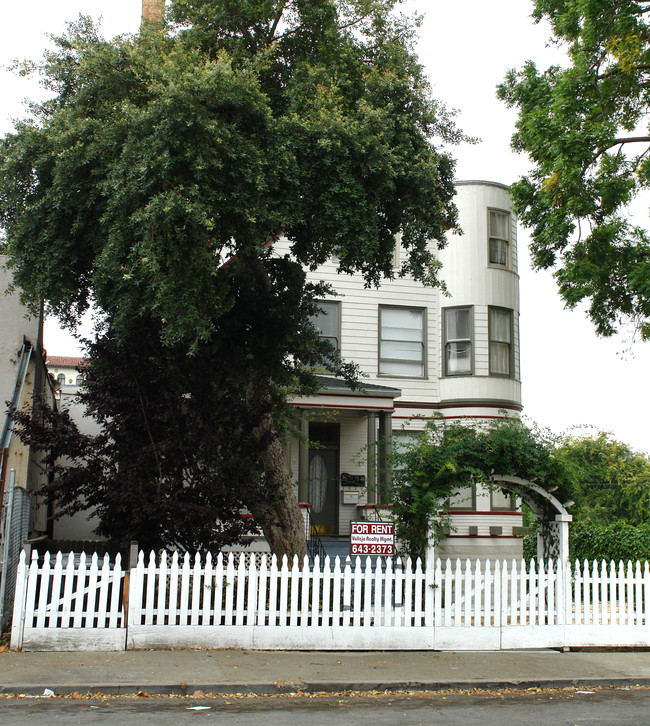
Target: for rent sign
pixel 372 538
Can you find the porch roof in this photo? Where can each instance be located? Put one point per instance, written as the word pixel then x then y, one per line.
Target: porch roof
pixel 336 393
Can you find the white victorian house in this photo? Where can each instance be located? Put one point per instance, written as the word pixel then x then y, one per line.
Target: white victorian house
pixel 422 354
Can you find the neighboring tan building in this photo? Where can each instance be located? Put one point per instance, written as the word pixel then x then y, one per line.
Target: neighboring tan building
pixel 22 376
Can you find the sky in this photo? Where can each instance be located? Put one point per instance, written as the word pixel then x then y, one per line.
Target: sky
pixel 572 380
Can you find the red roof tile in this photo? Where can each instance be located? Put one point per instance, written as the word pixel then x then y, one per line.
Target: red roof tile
pixel 63 361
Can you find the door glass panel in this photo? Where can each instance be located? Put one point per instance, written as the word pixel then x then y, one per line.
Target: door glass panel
pixel 317 483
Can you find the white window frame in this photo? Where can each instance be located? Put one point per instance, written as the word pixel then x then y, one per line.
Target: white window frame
pixel 447 342
pixel 384 361
pixel 493 342
pixel 499 240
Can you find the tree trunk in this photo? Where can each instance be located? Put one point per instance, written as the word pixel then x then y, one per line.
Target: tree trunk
pixel 278 515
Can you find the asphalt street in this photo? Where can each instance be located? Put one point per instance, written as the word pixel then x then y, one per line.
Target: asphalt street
pixel 570 707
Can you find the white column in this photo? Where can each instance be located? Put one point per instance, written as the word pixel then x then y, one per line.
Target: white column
pixel 371 461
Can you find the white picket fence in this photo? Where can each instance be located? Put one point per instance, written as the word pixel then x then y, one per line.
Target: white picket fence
pixel 241 601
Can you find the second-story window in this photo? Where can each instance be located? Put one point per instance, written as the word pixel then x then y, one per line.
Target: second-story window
pixel 501 353
pixel 457 335
pixel 61 379
pixel 328 321
pixel 499 238
pixel 401 341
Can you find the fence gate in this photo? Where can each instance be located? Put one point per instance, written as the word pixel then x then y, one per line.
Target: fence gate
pixel 71 605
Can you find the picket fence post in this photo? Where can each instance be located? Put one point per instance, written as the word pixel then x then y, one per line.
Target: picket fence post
pixel 20 604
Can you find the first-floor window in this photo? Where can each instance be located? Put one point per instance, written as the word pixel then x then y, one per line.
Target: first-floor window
pixel 458 341
pixel 463 498
pixel 500 327
pixel 501 502
pixel 401 341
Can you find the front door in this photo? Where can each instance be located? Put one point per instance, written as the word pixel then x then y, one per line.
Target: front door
pixel 324 476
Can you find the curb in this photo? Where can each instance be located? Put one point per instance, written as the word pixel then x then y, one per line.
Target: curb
pixel 287 687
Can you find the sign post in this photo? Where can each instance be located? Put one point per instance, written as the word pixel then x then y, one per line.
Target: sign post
pixel 372 538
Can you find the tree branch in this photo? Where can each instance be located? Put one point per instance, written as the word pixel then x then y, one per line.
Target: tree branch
pixel 616 142
pixel 356 21
pixel 617 71
pixel 276 22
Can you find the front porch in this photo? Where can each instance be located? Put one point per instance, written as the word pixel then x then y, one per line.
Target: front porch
pixel 340 461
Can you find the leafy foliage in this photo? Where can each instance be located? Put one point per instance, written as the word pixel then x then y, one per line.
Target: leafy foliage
pixel 612 480
pixel 448 456
pixel 162 471
pixel 584 127
pixel 614 541
pixel 158 178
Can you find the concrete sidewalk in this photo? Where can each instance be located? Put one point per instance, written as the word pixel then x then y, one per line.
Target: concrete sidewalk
pixel 264 672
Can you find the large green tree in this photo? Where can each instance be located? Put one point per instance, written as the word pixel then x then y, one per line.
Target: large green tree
pixel 158 178
pixel 585 128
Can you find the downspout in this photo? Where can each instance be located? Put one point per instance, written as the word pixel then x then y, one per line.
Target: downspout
pixel 16 397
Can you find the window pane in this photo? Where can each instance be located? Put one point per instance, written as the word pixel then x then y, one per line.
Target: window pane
pixel 500 359
pixel 397 368
pixel 498 252
pixel 500 325
pixel 499 225
pixel 457 324
pixel 500 500
pixel 401 345
pixel 401 350
pixel 391 333
pixel 462 498
pixel 401 319
pixel 459 358
pixel 327 322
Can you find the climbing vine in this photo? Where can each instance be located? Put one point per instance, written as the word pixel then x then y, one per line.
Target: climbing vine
pixel 447 456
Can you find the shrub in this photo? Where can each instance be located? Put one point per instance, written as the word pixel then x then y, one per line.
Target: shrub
pixel 615 541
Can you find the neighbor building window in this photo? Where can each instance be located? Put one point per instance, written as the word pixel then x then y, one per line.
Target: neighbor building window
pixel 401 342
pixel 61 379
pixel 499 238
pixel 501 334
pixel 457 336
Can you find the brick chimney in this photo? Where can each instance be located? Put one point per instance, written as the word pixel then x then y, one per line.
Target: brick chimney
pixel 152 11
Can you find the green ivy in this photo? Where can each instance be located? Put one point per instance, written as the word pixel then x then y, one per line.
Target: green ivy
pixel 449 455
